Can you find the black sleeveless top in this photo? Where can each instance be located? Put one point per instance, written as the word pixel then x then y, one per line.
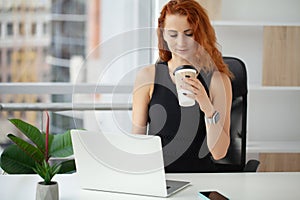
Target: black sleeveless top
pixel 182 129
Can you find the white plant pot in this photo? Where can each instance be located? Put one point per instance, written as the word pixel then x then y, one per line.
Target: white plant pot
pixel 47 192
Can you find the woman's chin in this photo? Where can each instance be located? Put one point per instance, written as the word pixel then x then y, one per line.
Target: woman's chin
pixel 183 55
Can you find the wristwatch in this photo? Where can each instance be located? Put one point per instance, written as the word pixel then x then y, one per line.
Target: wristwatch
pixel 214 119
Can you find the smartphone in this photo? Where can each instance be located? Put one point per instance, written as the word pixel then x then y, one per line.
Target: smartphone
pixel 211 195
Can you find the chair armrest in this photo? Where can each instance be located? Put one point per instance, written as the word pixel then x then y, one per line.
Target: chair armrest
pixel 251 166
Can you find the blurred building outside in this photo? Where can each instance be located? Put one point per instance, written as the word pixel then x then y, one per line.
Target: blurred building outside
pixel 37 42
pixel 73 41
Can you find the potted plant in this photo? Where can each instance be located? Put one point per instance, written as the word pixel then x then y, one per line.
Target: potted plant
pixel 34 156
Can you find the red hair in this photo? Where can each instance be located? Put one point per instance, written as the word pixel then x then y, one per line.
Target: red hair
pixel 209 56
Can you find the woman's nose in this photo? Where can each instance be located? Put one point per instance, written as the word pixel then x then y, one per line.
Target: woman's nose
pixel 181 40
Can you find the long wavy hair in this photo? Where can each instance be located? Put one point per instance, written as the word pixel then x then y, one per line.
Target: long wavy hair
pixel 208 57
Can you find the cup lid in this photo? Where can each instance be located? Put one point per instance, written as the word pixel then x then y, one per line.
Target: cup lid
pixel 184 67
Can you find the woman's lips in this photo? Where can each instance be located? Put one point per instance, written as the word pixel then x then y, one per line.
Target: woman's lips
pixel 181 50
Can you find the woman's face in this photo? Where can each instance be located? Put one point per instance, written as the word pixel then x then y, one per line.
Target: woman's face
pixel 179 36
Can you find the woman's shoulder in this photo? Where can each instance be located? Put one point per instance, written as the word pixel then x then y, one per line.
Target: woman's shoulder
pixel 146 74
pixel 220 87
pixel 220 78
pixel 148 69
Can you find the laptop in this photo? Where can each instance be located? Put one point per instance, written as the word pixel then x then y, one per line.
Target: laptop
pixel 123 163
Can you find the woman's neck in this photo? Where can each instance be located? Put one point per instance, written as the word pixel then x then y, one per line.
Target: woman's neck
pixel 175 62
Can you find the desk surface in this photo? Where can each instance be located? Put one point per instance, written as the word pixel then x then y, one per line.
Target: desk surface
pixel 241 186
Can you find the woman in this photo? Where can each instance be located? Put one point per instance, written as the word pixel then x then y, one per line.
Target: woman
pixel 192 137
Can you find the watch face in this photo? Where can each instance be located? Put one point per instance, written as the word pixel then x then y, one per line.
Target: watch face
pixel 216 117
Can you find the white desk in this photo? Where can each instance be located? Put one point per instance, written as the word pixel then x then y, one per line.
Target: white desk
pixel 240 186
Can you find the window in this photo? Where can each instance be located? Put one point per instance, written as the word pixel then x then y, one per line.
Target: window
pixel 9 29
pixel 33 29
pixel 22 29
pixel 1 64
pixel 45 29
pixel 8 57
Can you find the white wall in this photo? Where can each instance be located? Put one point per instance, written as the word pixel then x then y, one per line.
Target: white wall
pixel 241 29
pixel 261 10
pixel 126 43
pixel 272 123
pixel 246 43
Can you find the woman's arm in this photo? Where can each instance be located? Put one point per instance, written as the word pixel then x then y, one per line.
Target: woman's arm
pixel 142 93
pixel 218 135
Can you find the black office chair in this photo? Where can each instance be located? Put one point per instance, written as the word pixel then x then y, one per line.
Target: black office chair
pixel 235 160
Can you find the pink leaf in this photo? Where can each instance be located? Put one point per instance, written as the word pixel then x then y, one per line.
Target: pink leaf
pixel 47 138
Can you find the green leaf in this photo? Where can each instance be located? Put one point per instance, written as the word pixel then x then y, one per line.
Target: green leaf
pixel 46 171
pixel 55 169
pixel 61 145
pixel 15 161
pixel 27 148
pixel 67 166
pixel 31 132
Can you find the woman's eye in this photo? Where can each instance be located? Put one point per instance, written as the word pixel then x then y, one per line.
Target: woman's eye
pixel 173 35
pixel 189 34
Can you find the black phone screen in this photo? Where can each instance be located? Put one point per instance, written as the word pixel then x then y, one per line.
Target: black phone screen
pixel 213 195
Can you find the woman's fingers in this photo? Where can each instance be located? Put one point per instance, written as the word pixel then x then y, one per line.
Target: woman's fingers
pixel 193 85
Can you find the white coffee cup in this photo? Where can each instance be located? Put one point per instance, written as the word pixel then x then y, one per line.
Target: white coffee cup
pixel 180 73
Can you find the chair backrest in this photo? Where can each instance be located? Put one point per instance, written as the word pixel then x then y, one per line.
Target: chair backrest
pixel 236 155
